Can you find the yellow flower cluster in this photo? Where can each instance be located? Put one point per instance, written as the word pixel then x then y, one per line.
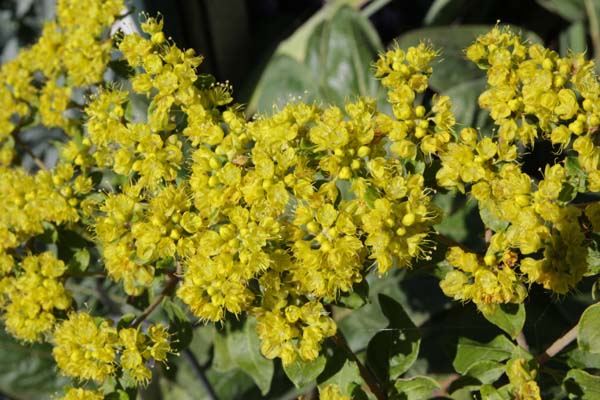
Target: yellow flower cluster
pixel 86 348
pixel 534 95
pixel 81 394
pixel 275 217
pixel 31 295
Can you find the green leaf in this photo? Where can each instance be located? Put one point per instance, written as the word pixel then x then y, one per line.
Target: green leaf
pixel 340 371
pixel 508 317
pixel 305 373
pixel 577 358
pixel 486 371
pixel 573 38
pixel 593 261
pixel 489 392
pixel 180 326
pixel 443 12
pixel 392 351
pixel 331 64
pixel 27 371
pixel 222 361
pixel 283 79
pixel 588 336
pixel 572 10
pixel 416 388
pixel 340 53
pixel 464 98
pixel 582 385
pixel 469 352
pixel 80 260
pixel 490 219
pixel 244 350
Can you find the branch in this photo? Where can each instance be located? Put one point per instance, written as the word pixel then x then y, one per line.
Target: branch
pixel 558 345
pixel 367 376
pixel 171 283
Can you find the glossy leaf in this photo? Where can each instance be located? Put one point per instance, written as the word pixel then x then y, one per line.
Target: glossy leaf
pixel 486 371
pixel 27 372
pixel 588 337
pixel 582 385
pixel 304 373
pixel 508 317
pixel 244 350
pixel 572 10
pixel 469 352
pixel 392 351
pixel 416 388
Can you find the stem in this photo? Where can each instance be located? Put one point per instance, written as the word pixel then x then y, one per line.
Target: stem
pixel 558 345
pixel 367 376
pixel 522 341
pixel 199 371
pixel 594 28
pixel 171 283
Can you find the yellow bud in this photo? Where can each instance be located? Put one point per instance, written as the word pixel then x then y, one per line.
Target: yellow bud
pixel 226 232
pixel 345 173
pixel 559 81
pixel 587 105
pixel 420 111
pixel 332 232
pixel 158 38
pixel 289 179
pixel 326 246
pixel 313 227
pixel 234 243
pixel 547 64
pixel 73 202
pixel 408 219
pixel 489 260
pixel 86 142
pixel 214 163
pixel 351 152
pixel 213 181
pixel 56 180
pixel 355 164
pixel 390 222
pixel 401 231
pixel 522 200
pixel 175 234
pixel 338 152
pixel 594 120
pixel 364 151
pixel 420 132
pixel 424 124
pixel 267 183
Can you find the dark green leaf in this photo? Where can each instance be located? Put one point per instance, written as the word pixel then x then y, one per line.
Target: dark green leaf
pixel 392 351
pixel 27 371
pixel 342 372
pixel 464 98
pixel 244 350
pixel 588 337
pixel 508 317
pixel 180 326
pixel 582 385
pixel 283 79
pixel 470 352
pixel 305 373
pixel 572 10
pixel 416 388
pixel 443 12
pixel 339 55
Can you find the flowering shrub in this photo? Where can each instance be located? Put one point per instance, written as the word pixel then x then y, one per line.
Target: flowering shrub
pixel 165 191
